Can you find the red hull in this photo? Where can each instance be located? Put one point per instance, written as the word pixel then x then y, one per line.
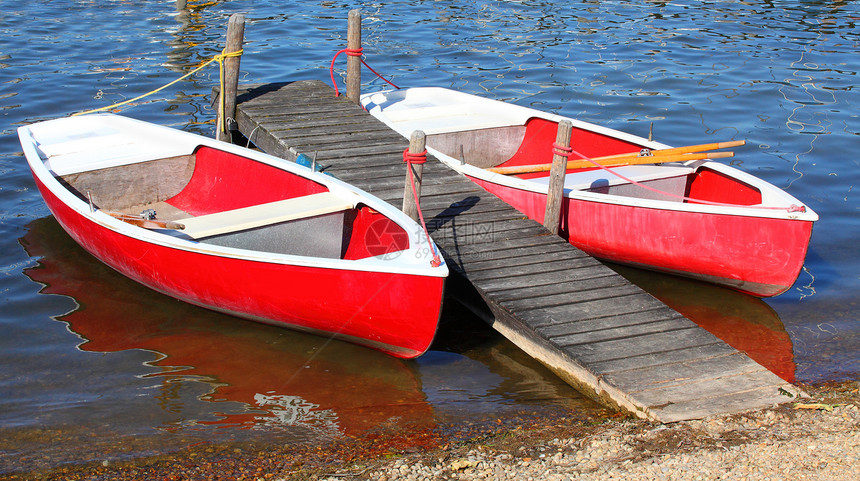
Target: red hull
pixel 672 240
pixel 364 307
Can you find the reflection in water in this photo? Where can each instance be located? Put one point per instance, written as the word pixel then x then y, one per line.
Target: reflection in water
pixel 286 379
pixel 744 322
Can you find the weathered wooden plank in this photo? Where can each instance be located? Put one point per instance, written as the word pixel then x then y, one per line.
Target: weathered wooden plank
pixel 707 388
pixel 686 372
pixel 662 358
pixel 336 152
pixel 573 326
pixel 531 256
pixel 366 155
pixel 556 270
pixel 738 401
pixel 455 189
pixel 600 308
pixel 524 292
pixel 625 332
pixel 268 111
pixel 293 116
pixel 490 254
pixel 443 206
pixel 502 284
pixel 538 241
pixel 383 169
pixel 653 343
pixel 341 143
pixel 524 304
pixel 333 133
pixel 283 93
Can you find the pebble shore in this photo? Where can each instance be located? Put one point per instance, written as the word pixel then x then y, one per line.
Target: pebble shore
pixel 816 441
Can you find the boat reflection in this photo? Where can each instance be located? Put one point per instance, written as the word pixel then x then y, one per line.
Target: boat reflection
pixel 282 378
pixel 744 322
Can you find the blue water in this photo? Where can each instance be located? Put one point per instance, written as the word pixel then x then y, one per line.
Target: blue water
pixel 93 364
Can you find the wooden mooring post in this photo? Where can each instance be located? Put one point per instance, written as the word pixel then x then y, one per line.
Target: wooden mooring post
pixel 235 39
pixel 353 59
pixel 555 195
pixel 414 173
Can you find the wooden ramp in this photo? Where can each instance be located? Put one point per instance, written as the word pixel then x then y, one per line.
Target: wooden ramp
pixel 602 334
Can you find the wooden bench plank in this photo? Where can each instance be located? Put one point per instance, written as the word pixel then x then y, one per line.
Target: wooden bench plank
pixel 263 214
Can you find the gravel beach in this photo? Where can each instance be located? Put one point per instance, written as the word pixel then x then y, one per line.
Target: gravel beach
pixel 816 440
pixel 770 445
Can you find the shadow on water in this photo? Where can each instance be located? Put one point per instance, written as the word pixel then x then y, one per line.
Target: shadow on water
pixel 219 378
pixel 744 322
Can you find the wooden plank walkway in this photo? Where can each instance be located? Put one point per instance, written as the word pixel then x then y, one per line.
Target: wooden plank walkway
pixel 600 333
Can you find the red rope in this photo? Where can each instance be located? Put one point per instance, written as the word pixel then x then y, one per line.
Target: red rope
pixel 418 159
pixel 562 150
pixel 791 208
pixel 411 158
pixel 352 52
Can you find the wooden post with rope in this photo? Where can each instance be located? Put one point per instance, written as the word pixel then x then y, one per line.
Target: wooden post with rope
pixel 235 38
pixel 414 173
pixel 555 194
pixel 353 61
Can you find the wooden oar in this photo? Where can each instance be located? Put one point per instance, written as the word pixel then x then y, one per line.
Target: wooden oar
pixel 615 161
pixel 145 223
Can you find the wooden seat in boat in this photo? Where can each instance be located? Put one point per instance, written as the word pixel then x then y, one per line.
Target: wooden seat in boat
pixel 598 178
pixel 263 214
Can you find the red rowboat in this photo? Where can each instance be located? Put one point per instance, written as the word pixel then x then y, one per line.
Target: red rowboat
pixel 239 231
pixel 694 218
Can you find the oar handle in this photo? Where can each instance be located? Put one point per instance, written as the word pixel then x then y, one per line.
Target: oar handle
pixel 699 148
pixel 688 149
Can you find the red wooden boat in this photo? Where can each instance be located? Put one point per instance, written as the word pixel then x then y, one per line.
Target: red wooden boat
pixel 695 218
pixel 239 231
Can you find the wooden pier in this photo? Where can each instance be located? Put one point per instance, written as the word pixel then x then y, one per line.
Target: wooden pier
pixel 597 331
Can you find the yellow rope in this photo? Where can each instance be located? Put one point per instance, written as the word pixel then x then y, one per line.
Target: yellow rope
pixel 218 58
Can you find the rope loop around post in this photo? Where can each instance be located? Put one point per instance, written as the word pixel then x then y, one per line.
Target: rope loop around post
pixel 562 150
pixel 419 158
